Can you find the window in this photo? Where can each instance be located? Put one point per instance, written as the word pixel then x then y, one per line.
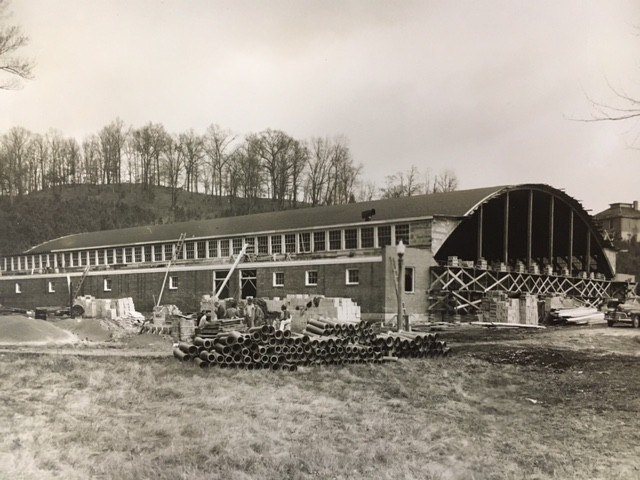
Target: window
pixel 335 239
pixel 18 287
pixel 147 253
pixel 128 255
pixel 219 280
pixel 408 279
pixel 384 236
pixel 190 250
pixel 213 249
pixel 168 251
pixel 351 238
pixel 366 237
pixel 201 249
pixel 311 278
pixel 224 248
pixel 77 259
pixel 276 244
pixel 353 276
pixel 402 233
pixel 263 244
pixel 157 253
pixel 138 254
pixel 304 240
pixel 51 287
pixel 237 245
pixel 319 241
pixel 290 243
pixel 106 285
pixel 278 279
pixel 173 283
pixel 113 256
pixel 67 260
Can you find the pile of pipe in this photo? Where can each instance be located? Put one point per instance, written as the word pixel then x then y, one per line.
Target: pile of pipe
pixel 323 342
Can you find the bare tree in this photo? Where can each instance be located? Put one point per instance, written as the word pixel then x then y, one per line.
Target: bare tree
pixel 147 144
pixel 403 184
pixel 92 166
pixel 247 172
pixel 318 166
pixel 171 167
pixel 277 154
pixel 14 162
pixel 446 181
pixel 343 174
pixel 216 145
pixel 112 143
pixel 11 40
pixel 192 147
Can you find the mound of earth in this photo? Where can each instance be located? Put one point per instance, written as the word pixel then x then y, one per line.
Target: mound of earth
pixel 90 329
pixel 17 329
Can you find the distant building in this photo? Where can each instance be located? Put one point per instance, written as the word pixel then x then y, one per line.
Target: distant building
pixel 621 221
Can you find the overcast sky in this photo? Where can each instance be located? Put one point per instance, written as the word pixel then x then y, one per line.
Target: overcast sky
pixel 485 88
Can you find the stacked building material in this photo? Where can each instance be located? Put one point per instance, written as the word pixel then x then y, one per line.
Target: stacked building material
pixel 529 309
pixel 324 342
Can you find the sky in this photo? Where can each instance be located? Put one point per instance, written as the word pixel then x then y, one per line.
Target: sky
pixel 492 90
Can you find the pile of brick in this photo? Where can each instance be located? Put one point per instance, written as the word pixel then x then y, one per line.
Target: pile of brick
pixel 497 307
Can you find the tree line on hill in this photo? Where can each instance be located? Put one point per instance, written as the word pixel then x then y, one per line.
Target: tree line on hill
pixel 270 164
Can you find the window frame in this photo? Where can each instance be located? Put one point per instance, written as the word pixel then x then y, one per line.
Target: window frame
pixel 18 287
pixel 174 282
pixel 338 237
pixel 348 280
pixel 307 278
pixel 106 285
pixel 275 278
pixel 51 287
pixel 413 280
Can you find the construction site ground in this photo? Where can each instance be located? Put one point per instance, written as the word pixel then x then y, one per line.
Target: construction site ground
pixel 555 403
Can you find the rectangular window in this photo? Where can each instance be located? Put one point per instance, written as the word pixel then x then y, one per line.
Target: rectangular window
pixel 201 249
pixel 263 245
pixel 366 237
pixel 190 250
pixel 219 280
pixel 138 254
pixel 148 257
pixel 77 259
pixel 157 253
pixel 304 240
pixel 237 245
pixel 18 287
pixel 351 238
pixel 213 249
pixel 128 255
pixel 51 287
pixel 409 279
pixel 106 285
pixel 352 276
pixel 67 260
pixel 276 244
pixel 224 248
pixel 290 243
pixel 311 278
pixel 173 283
pixel 319 241
pixel 384 236
pixel 402 233
pixel 335 239
pixel 112 255
pixel 168 251
pixel 278 279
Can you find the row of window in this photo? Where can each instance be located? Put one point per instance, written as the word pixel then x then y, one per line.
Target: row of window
pixel 304 242
pixel 352 277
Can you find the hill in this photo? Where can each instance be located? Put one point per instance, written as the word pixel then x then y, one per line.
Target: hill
pixel 48 214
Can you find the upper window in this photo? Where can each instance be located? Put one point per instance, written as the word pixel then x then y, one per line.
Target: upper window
pixel 190 250
pixel 263 244
pixel 384 236
pixel 278 279
pixel 224 248
pixel 319 241
pixel 402 233
pixel 351 238
pixel 335 239
pixel 353 276
pixel 138 254
pixel 147 253
pixel 201 249
pixel 276 244
pixel 305 242
pixel 311 278
pixel 128 255
pixel 290 243
pixel 168 251
pixel 366 237
pixel 213 248
pixel 237 245
pixel 157 253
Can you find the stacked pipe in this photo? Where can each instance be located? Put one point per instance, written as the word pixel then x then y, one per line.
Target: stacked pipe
pixel 323 342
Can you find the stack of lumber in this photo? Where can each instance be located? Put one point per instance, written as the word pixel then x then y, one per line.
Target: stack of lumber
pixel 216 327
pixel 326 342
pixel 576 316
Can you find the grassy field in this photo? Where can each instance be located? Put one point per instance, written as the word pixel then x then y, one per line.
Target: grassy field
pixel 496 410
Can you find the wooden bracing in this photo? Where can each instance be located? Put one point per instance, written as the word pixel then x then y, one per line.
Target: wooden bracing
pixel 461 289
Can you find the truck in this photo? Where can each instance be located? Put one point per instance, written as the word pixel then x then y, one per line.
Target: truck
pixel 623 312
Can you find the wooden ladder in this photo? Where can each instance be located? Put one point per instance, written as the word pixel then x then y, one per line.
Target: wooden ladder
pixel 177 252
pixel 79 286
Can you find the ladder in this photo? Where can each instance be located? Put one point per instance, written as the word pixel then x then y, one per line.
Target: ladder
pixel 79 286
pixel 177 252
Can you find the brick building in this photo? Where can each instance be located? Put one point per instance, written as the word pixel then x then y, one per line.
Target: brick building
pixel 340 250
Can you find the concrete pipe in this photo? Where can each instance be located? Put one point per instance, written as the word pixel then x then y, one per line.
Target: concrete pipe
pixel 188 348
pixel 278 334
pixel 202 342
pixel 201 363
pixel 181 355
pixel 223 349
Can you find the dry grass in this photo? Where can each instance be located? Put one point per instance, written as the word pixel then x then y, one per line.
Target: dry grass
pixel 459 418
